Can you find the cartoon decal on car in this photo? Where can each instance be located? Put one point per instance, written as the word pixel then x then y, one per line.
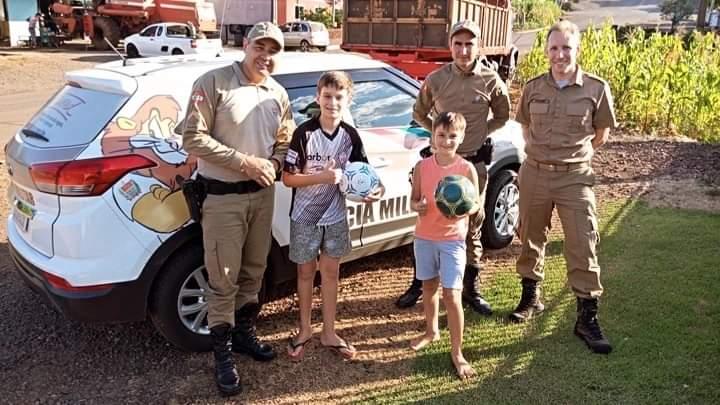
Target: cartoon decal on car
pixel 152 197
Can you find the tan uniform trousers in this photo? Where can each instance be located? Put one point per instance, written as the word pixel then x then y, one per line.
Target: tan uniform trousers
pixel 237 236
pixel 473 245
pixel 571 193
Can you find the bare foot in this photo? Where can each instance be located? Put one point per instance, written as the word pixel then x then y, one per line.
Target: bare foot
pixel 463 369
pixel 424 340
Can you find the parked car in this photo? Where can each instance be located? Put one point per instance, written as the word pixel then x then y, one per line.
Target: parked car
pixel 170 39
pixel 99 225
pixel 306 35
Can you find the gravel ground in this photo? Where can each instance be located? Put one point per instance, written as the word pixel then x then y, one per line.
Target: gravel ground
pixel 45 358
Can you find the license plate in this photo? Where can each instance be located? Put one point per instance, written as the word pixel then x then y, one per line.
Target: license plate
pixel 22 214
pixel 21 221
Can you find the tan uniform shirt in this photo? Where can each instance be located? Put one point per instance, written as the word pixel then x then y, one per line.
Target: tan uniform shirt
pixel 229 118
pixel 562 121
pixel 474 94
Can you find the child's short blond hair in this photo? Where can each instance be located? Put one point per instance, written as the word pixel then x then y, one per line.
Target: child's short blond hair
pixel 337 79
pixel 450 120
pixel 565 26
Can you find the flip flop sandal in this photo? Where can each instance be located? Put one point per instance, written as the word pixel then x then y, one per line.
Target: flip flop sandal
pixel 344 350
pixel 292 348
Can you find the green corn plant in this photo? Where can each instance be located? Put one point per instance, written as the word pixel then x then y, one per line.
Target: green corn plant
pixel 663 84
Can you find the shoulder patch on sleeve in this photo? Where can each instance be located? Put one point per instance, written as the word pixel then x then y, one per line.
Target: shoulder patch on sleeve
pixel 291 157
pixel 198 96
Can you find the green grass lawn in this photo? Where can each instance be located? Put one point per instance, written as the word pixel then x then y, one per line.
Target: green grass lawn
pixel 660 310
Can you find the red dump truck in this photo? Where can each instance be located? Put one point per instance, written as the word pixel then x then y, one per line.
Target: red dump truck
pixel 116 19
pixel 412 35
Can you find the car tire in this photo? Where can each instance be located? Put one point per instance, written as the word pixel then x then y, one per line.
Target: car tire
pixel 501 210
pixel 132 51
pixel 177 51
pixel 185 271
pixel 322 48
pixel 304 46
pixel 165 302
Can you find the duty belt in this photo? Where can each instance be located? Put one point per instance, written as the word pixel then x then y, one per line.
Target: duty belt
pixel 554 167
pixel 221 187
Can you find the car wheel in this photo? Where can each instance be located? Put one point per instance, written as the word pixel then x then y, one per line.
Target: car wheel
pixel 177 51
pixel 502 210
pixel 132 51
pixel 179 302
pixel 304 46
pixel 178 307
pixel 322 48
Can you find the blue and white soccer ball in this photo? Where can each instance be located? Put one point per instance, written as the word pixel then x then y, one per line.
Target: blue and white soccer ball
pixel 359 180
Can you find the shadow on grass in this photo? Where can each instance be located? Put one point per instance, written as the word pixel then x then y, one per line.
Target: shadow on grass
pixel 660 311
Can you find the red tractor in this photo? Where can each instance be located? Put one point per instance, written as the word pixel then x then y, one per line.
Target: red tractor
pixel 115 19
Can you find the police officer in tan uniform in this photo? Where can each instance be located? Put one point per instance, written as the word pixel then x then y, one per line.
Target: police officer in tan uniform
pixel 566 115
pixel 468 86
pixel 238 124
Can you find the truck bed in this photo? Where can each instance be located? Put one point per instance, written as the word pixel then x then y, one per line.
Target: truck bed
pixel 422 25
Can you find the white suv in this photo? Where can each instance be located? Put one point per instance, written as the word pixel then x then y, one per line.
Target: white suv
pixel 99 225
pixel 306 35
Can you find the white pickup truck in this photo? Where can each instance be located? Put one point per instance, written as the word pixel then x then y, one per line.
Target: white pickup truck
pixel 170 39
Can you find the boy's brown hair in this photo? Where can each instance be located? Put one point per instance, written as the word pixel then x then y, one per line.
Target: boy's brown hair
pixel 450 120
pixel 337 79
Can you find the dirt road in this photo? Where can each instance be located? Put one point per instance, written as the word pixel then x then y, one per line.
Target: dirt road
pixel 45 358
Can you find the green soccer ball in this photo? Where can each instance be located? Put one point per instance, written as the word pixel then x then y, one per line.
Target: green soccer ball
pixel 455 196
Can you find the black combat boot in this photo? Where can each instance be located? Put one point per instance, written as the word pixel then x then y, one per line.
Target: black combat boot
pixel 530 304
pixel 244 335
pixel 471 294
pixel 587 327
pixel 226 375
pixel 411 296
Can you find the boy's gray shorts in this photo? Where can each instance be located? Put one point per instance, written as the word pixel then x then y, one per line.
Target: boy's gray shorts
pixel 307 241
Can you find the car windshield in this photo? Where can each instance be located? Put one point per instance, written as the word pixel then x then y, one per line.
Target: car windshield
pixel 376 103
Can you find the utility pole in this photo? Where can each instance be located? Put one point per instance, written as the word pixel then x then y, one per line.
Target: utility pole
pixel 702 8
pixel 333 13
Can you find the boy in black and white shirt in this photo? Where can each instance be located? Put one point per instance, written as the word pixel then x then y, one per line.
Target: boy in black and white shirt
pixel 319 151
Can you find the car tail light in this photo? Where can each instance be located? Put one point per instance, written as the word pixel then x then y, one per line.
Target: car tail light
pixel 193 43
pixel 60 283
pixel 88 177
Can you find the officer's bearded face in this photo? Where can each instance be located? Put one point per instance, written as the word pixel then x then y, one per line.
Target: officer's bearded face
pixel 260 57
pixel 465 49
pixel 562 51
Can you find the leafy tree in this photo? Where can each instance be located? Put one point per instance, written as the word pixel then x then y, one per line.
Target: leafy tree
pixel 677 10
pixel 323 15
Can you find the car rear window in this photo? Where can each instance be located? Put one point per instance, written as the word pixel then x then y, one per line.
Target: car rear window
pixel 74 116
pixel 181 31
pixel 317 27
